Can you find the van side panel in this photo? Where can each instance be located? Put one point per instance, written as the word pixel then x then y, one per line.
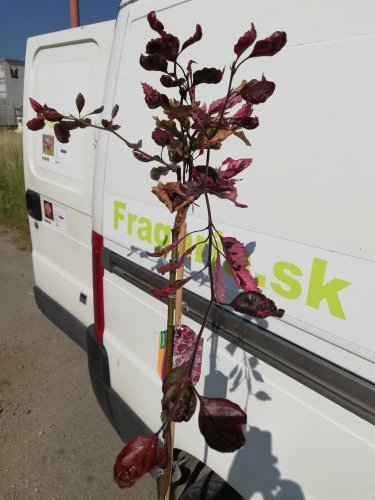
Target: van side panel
pixel 307 164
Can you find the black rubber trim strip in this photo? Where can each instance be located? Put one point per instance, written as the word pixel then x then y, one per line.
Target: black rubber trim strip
pixel 126 4
pixel 62 318
pixel 125 422
pixel 332 381
pixel 123 419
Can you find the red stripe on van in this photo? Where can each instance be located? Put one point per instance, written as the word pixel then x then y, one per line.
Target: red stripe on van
pixel 97 278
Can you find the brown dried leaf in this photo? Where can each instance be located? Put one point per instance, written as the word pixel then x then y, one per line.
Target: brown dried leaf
pixel 220 136
pixel 241 135
pixel 169 125
pixel 180 112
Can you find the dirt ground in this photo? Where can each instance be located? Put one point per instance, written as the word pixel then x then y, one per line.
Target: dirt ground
pixel 55 442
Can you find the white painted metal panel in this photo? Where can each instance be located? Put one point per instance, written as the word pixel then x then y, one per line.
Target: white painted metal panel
pixel 309 196
pixel 58 67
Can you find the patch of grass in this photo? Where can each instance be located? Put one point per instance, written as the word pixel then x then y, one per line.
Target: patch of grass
pixel 13 215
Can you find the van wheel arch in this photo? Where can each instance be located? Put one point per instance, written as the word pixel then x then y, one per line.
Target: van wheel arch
pixel 194 480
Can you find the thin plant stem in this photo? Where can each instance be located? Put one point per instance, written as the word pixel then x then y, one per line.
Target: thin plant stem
pixel 166 478
pixel 171 309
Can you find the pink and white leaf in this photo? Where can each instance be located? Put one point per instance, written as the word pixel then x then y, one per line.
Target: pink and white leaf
pixel 217 106
pixel 219 281
pixel 183 347
pixel 144 157
pixel 167 290
pixel 173 266
pixel 234 167
pixel 238 259
pixel 166 249
pixel 244 111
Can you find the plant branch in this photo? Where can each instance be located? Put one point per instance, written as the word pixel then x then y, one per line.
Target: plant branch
pixel 119 136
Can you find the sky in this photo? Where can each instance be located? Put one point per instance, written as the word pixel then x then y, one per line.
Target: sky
pixel 21 19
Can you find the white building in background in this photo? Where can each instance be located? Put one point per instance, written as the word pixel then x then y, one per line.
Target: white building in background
pixel 11 92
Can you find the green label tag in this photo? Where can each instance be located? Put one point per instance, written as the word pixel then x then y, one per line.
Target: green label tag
pixel 163 339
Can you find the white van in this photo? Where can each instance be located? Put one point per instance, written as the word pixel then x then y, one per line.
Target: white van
pixel 307 380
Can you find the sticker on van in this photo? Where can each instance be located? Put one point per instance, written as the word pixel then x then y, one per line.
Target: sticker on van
pixel 318 287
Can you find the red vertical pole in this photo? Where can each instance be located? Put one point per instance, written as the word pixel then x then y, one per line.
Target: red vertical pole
pixel 74 13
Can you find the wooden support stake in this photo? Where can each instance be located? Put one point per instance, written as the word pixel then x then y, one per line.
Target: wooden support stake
pixel 174 313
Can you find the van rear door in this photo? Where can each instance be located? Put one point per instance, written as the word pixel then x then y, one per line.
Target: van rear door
pixel 59 177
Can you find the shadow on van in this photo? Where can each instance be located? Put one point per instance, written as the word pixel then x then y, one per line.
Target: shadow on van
pixel 262 475
pixel 255 459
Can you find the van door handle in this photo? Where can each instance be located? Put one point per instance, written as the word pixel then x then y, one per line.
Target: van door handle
pixel 34 207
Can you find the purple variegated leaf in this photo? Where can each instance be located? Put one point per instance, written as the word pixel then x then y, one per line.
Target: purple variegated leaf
pixel 71 124
pixel 176 374
pixel 154 62
pixel 173 266
pixel 256 304
pixel 36 106
pixel 139 456
pixel 153 98
pixel 61 133
pixel 168 81
pixel 167 290
pixel 161 137
pixel 52 115
pixel 207 75
pixel 154 23
pixel 221 422
pixel 217 106
pixel 249 122
pixel 167 46
pixel 170 266
pixel 142 156
pixel 179 399
pixel 36 123
pixel 183 347
pixel 106 124
pixel 232 196
pixel 166 249
pixel 244 111
pixel 80 102
pixel 219 281
pixel 258 91
pixel 156 46
pixel 270 45
pixel 157 172
pixel 218 183
pixel 200 117
pixel 238 259
pixel 234 167
pixel 245 41
pixel 115 109
pixel 193 39
pixel 189 70
pixel 96 111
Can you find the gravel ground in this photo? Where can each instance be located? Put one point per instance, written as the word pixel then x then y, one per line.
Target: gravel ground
pixel 55 442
